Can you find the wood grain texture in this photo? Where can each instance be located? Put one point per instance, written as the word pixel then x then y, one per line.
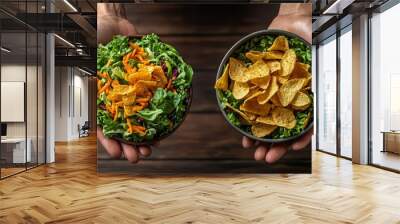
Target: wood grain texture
pixel 204 142
pixel 71 191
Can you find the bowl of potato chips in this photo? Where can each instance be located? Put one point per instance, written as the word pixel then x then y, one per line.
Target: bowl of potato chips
pixel 263 86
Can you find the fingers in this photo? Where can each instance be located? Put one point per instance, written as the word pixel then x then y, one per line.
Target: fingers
pixel 145 151
pixel 131 153
pixel 126 28
pixel 112 147
pixel 247 142
pixel 303 141
pixel 275 153
pixel 260 153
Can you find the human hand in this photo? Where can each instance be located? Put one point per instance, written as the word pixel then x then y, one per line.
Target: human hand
pixel 276 151
pixel 295 18
pixel 115 148
pixel 112 21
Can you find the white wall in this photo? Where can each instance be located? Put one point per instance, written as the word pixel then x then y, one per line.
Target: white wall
pixel 70 83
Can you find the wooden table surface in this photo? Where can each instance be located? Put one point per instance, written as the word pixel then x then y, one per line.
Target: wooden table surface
pixel 205 143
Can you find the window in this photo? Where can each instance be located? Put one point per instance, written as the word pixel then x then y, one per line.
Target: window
pixel 385 89
pixel 327 96
pixel 346 92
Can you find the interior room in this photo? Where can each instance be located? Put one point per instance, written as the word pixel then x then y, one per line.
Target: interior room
pixel 335 87
pixel 48 150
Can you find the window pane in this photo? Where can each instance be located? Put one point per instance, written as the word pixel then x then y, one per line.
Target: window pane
pixel 15 151
pixel 327 96
pixel 385 86
pixel 345 94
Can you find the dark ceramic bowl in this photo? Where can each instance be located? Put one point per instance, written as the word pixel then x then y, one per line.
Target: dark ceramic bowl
pixel 155 140
pixel 221 68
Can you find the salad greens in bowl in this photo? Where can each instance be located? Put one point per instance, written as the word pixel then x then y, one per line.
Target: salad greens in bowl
pixel 144 89
pixel 263 86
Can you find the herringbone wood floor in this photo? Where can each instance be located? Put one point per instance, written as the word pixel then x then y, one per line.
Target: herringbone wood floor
pixel 70 191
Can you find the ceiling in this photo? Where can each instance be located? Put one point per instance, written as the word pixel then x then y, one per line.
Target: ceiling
pixel 72 20
pixel 332 15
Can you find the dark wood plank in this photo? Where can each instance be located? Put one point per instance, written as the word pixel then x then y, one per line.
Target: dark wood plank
pixel 202 52
pixel 204 95
pixel 172 19
pixel 181 167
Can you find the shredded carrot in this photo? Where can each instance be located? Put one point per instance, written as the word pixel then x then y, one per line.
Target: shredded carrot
pixel 128 121
pixel 143 100
pixel 133 45
pixel 133 53
pixel 138 127
pixel 105 87
pixel 98 84
pixel 104 75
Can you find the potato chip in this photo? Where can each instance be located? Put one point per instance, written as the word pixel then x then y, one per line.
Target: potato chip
pixel 274 66
pixel 142 74
pixel 254 107
pixel 283 117
pixel 269 92
pixel 275 101
pixel 263 82
pixel 254 92
pixel 280 44
pixel 129 100
pixel 288 62
pixel 301 108
pixel 257 70
pixel 231 84
pixel 254 56
pixel 300 71
pixel 265 120
pixel 240 90
pixel 243 115
pixel 305 67
pixel 288 91
pixel 272 55
pixel 301 100
pixel 307 82
pixel 261 130
pixel 223 81
pixel 282 80
pixel 251 116
pixel 159 76
pixel 236 70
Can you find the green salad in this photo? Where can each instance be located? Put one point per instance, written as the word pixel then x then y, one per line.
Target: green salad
pixel 265 87
pixel 143 88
